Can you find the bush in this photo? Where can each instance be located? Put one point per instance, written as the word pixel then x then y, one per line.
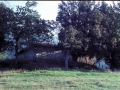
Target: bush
pixel 3 55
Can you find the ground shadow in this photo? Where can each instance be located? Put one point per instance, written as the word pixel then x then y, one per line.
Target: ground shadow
pixel 39 64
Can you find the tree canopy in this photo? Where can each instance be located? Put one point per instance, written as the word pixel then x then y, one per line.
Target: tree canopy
pixel 6 15
pixel 24 26
pixel 90 29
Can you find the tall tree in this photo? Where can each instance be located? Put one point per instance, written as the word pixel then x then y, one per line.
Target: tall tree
pixel 27 27
pixel 94 26
pixel 109 33
pixel 6 15
pixel 74 17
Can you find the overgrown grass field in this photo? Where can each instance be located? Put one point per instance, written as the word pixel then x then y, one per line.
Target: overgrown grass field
pixel 58 80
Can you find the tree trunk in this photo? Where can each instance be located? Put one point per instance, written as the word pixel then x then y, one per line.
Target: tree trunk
pixel 66 53
pixel 112 66
pixel 74 58
pixel 112 62
pixel 75 62
pixel 16 51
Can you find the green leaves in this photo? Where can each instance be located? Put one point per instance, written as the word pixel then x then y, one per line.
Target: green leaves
pixel 24 26
pixel 86 24
pixel 73 17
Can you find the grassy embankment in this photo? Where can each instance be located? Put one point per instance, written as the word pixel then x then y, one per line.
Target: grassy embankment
pixel 58 80
pixel 53 79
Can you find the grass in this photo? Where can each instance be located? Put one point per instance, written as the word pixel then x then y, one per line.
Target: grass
pixel 58 80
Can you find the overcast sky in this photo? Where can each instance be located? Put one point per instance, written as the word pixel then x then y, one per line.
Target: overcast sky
pixel 47 9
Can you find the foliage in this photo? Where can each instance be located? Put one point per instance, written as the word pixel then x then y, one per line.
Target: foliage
pixel 24 27
pixel 5 18
pixel 3 55
pixel 90 29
